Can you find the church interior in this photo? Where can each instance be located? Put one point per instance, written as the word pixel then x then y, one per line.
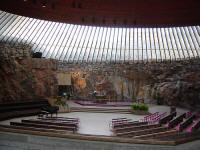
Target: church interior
pixel 99 74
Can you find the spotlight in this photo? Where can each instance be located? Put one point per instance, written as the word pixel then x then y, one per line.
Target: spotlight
pixel 44 4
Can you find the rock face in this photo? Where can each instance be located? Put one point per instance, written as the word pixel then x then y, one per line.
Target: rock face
pixel 172 83
pixel 24 77
pixel 169 82
pixel 117 82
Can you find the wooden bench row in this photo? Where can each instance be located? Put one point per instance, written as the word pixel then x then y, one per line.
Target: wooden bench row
pixel 176 120
pixel 22 108
pixel 150 117
pixel 29 128
pixel 142 132
pixel 135 128
pixel 44 126
pixel 54 122
pixel 158 135
pixel 196 126
pixel 167 118
pixel 129 124
pixel 187 122
pixel 59 118
pixel 159 117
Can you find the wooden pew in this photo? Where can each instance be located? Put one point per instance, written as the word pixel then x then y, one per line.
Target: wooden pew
pixel 136 128
pixel 45 126
pixel 158 135
pixel 187 122
pixel 156 119
pixel 59 123
pixel 142 132
pixel 176 120
pixel 35 129
pixel 22 108
pixel 129 124
pixel 150 117
pixel 196 126
pixel 167 118
pixel 114 121
pixel 60 118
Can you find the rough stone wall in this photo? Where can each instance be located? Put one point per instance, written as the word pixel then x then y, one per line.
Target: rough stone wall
pixel 172 83
pixel 120 82
pixel 23 77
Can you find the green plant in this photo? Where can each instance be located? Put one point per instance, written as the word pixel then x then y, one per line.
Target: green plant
pixel 135 106
pixel 99 97
pixel 144 107
pixel 59 101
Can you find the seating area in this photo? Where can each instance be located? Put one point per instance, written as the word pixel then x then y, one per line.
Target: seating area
pixel 154 127
pixel 26 108
pixel 62 125
pixel 145 128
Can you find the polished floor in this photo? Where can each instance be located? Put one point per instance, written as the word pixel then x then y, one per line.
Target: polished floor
pixel 98 123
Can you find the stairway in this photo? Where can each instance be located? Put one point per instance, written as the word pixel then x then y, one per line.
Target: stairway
pixel 100 110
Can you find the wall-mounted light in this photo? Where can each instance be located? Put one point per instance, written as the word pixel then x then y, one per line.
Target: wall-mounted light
pixel 44 4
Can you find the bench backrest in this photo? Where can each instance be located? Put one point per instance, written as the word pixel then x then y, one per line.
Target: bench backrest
pixel 167 118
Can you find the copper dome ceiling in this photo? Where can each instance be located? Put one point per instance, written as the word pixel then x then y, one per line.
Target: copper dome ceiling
pixel 119 13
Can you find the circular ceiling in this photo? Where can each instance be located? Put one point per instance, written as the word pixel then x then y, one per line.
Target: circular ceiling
pixel 112 13
pixel 81 43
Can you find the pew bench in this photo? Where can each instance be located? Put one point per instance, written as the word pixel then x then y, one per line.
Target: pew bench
pixel 59 123
pixel 44 126
pixel 187 122
pixel 36 129
pixel 158 135
pixel 129 124
pixel 176 120
pixel 167 118
pixel 142 132
pixel 135 128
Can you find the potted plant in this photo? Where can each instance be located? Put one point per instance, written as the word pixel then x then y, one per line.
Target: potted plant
pixel 141 109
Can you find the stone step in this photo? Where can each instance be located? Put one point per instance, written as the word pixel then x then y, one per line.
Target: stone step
pixel 99 110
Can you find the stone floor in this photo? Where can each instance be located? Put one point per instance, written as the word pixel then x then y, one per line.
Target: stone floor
pixel 90 123
pixel 98 123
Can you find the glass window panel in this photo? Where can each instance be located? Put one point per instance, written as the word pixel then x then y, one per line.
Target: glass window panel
pixel 97 47
pixel 190 40
pixel 31 34
pixel 17 34
pixel 185 47
pixel 68 47
pixel 40 35
pixel 71 50
pixel 119 44
pixel 12 25
pixel 26 30
pixel 64 47
pixel 57 38
pixel 8 20
pixel 52 42
pixel 84 42
pixel 61 42
pixel 92 35
pixel 78 43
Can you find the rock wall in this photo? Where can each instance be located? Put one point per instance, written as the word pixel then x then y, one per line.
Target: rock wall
pixel 172 83
pixel 23 77
pixel 117 82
